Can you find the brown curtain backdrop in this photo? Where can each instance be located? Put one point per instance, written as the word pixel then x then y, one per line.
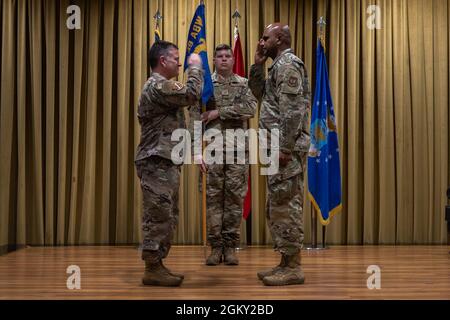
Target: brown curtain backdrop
pixel 68 126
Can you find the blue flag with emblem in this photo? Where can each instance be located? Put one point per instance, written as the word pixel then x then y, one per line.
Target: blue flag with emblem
pixel 324 175
pixel 196 43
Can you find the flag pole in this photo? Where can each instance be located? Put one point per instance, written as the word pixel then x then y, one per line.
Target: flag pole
pixel 321 37
pixel 236 16
pixel 196 43
pixel 158 18
pixel 313 245
pixel 314 228
pixel 321 23
pixel 203 190
pixel 203 178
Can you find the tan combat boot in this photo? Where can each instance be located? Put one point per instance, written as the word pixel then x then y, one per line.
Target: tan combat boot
pixel 272 271
pixel 292 273
pixel 175 274
pixel 230 257
pixel 156 275
pixel 215 257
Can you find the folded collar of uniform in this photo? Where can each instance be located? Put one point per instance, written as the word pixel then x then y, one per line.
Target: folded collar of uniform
pixel 288 50
pixel 220 79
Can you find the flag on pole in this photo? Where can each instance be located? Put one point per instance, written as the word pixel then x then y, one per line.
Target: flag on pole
pixel 238 68
pixel 324 175
pixel 196 43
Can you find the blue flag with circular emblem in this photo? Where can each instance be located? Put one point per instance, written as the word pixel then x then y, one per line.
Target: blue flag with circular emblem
pixel 324 175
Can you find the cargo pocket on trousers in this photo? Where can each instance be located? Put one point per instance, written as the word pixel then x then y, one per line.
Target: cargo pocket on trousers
pixel 285 190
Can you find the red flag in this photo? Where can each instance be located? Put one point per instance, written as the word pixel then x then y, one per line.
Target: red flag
pixel 239 69
pixel 248 199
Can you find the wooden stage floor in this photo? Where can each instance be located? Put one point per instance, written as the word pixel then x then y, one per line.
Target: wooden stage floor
pixel 108 272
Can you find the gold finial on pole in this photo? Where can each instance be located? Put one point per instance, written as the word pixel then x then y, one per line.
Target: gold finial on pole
pixel 158 17
pixel 322 30
pixel 236 16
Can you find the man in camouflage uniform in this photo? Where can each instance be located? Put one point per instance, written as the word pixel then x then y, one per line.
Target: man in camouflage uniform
pixel 232 106
pixel 160 113
pixel 285 106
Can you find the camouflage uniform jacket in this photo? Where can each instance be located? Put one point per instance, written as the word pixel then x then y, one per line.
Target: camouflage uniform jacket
pixel 285 100
pixel 160 112
pixel 234 101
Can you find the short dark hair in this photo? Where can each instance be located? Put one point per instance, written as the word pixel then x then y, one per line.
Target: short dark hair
pixel 158 49
pixel 222 47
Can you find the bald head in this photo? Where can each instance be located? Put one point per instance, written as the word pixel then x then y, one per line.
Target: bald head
pixel 281 31
pixel 276 38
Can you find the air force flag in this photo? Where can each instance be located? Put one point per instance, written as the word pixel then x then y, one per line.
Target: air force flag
pixel 324 177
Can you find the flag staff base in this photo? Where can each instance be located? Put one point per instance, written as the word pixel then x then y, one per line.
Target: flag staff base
pixel 314 246
pixel 205 252
pixel 311 248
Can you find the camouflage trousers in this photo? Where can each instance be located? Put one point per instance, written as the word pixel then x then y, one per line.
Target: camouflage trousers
pixel 160 181
pixel 284 209
pixel 226 188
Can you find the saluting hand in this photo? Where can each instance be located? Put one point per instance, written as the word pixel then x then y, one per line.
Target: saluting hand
pixel 194 59
pixel 260 58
